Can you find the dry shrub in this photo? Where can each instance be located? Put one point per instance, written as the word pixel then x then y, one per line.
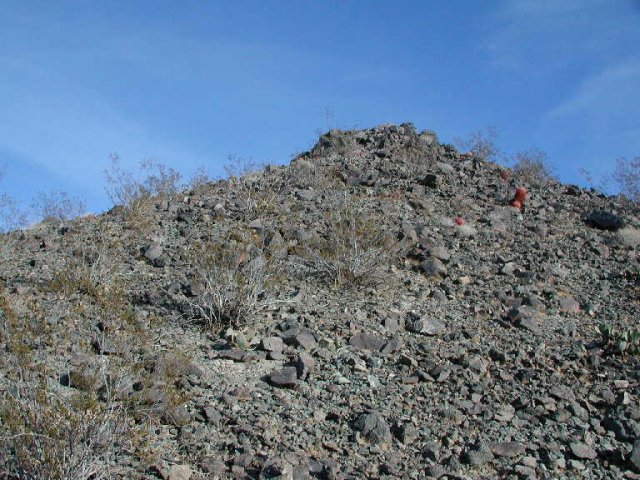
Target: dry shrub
pixel 352 251
pixel 482 144
pixel 232 277
pixel 44 435
pixel 532 168
pixel 627 176
pixel 57 205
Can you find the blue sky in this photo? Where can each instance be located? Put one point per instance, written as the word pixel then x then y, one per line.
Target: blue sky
pixel 189 83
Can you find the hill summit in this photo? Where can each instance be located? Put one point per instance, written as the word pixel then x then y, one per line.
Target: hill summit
pixel 383 307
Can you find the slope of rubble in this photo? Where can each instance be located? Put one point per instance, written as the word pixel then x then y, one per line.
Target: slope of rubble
pixel 407 322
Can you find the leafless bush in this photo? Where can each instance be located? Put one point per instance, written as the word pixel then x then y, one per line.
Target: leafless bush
pixel 532 168
pixel 123 188
pixel 11 216
pixel 57 205
pixel 199 178
pixel 45 435
pixel 232 278
pixel 353 250
pixel 627 176
pixel 482 144
pixel 238 166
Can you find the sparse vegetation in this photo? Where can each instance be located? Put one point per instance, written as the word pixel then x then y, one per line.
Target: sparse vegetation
pixel 622 342
pixel 46 436
pixel 482 144
pixel 232 278
pixel 123 188
pixel 627 176
pixel 531 167
pixel 352 250
pixel 57 205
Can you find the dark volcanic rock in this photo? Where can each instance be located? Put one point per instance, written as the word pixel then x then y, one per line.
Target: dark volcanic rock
pixel 605 220
pixel 287 377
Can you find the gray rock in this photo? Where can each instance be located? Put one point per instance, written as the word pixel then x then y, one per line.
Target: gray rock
pixel 432 267
pixel 304 364
pixel 367 341
pixel 373 427
pixel 634 457
pixel 582 450
pixel 287 377
pixel 155 254
pixel 425 326
pixel 300 337
pixel 562 392
pixel 272 344
pixel 440 253
pixel 507 449
pixel 478 454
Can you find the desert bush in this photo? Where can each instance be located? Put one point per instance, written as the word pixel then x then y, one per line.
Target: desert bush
pixel 627 176
pixel 45 435
pixel 124 188
pixel 11 216
pixel 532 168
pixel 232 277
pixel 481 144
pixel 352 251
pixel 57 205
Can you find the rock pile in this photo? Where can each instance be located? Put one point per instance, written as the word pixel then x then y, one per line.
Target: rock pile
pixel 390 340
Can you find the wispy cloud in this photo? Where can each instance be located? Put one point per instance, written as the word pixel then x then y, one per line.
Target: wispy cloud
pixel 538 36
pixel 613 93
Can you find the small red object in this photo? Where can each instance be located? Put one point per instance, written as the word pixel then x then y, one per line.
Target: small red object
pixel 521 194
pixel 460 221
pixel 516 204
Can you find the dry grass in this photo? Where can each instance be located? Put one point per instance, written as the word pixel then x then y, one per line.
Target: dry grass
pixel 233 277
pixel 352 251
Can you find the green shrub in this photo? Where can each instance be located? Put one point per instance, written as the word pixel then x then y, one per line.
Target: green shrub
pixel 620 341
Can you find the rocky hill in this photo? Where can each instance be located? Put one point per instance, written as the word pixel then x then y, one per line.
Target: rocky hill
pixel 379 308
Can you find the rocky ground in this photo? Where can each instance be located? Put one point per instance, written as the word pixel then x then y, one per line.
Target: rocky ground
pixel 388 314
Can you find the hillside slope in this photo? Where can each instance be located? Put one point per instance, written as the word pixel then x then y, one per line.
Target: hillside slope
pixel 375 309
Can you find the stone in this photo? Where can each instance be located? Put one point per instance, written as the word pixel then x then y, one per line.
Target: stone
pixel 562 392
pixel 367 341
pixel 507 449
pixel 304 365
pixel 425 325
pixel 373 427
pixel 300 337
pixel 634 457
pixel 272 344
pixel 179 472
pixel 432 267
pixel 478 454
pixel 154 253
pixel 287 377
pixel 583 451
pixel 605 220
